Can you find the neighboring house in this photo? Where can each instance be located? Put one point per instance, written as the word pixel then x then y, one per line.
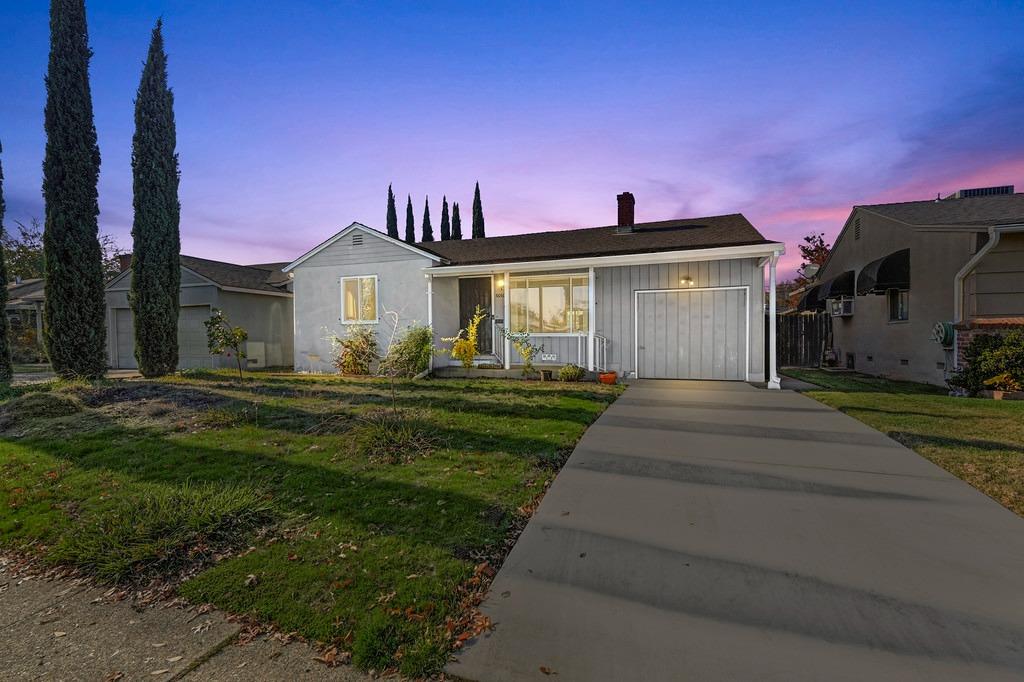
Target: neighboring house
pixel 672 299
pixel 897 271
pixel 255 297
pixel 25 304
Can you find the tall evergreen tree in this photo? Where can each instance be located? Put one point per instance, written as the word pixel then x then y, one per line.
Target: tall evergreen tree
pixel 392 215
pixel 446 226
pixel 410 223
pixel 74 312
pixel 6 371
pixel 156 244
pixel 428 229
pixel 478 214
pixel 456 222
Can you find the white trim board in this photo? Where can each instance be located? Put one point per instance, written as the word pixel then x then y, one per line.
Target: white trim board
pixel 362 228
pixel 683 256
pixel 746 323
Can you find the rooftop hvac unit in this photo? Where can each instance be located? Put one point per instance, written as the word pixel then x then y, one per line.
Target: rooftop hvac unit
pixel 256 353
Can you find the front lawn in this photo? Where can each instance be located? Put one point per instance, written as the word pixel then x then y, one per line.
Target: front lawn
pixel 300 501
pixel 978 440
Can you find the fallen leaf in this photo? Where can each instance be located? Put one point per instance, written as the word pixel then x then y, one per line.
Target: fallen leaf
pixel 547 671
pixel 114 676
pixel 250 580
pixel 159 644
pixel 174 659
pixel 58 633
pixel 162 671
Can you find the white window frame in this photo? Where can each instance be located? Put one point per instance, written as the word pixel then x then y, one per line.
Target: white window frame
pixel 541 278
pixel 359 299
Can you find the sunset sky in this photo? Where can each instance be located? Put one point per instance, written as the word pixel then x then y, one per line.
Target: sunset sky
pixel 293 117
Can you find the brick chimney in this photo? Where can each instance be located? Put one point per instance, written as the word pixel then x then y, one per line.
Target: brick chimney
pixel 124 261
pixel 626 205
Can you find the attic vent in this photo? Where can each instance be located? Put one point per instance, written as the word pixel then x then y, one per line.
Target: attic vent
pixel 357 240
pixel 856 228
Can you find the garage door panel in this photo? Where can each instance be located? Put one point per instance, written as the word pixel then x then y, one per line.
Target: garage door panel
pixel 124 339
pixel 689 334
pixel 192 346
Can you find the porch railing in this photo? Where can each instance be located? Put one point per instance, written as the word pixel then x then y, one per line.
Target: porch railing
pixel 498 341
pixel 600 353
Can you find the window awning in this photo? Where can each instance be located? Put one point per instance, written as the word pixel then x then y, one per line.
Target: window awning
pixel 890 272
pixel 811 300
pixel 841 285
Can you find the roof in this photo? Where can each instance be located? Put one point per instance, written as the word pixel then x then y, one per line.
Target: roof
pixel 28 291
pixel 267 277
pixel 1000 209
pixel 667 235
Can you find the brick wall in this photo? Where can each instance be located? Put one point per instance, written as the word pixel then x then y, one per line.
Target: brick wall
pixel 967 331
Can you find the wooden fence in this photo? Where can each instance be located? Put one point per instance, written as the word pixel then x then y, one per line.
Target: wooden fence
pixel 800 339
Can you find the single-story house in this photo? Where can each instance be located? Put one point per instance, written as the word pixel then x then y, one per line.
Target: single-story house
pixel 673 299
pixel 255 297
pixel 909 284
pixel 25 304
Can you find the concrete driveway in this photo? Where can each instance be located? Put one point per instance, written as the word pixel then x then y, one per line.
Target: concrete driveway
pixel 717 531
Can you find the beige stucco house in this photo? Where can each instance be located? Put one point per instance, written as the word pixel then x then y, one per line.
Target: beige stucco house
pixel 672 299
pixel 909 284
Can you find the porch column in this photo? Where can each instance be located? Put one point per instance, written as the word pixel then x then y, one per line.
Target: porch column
pixel 39 325
pixel 591 310
pixel 508 320
pixel 430 314
pixel 773 377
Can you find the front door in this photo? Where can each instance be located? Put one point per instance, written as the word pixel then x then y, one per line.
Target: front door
pixel 473 292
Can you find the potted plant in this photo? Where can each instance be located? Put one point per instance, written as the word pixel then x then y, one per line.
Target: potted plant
pixel 608 377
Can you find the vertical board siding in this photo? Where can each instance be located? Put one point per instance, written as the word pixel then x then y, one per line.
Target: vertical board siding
pixel 712 323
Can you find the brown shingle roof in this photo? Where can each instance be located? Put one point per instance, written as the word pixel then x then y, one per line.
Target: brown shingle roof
pixel 256 277
pixel 25 292
pixel 1000 209
pixel 667 235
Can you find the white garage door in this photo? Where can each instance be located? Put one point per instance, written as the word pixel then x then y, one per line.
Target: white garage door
pixel 692 334
pixel 192 348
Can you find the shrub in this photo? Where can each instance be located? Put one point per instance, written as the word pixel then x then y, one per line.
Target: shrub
pixel 162 529
pixel 571 373
pixel 356 351
pixel 990 359
pixel 224 339
pixel 392 437
pixel 525 348
pixel 411 354
pixel 25 346
pixel 464 344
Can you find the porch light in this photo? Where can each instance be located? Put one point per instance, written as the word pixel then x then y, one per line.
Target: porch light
pixel 500 284
pixel 686 281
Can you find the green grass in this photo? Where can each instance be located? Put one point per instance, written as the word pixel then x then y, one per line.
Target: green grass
pixel 350 525
pixel 978 440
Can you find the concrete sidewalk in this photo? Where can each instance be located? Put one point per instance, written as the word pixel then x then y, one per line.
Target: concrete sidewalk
pixel 716 531
pixel 64 630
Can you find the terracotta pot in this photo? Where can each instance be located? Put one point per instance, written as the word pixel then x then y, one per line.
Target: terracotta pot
pixel 608 377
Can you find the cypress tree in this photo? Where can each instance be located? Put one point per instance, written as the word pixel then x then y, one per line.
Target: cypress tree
pixel 446 227
pixel 456 222
pixel 428 229
pixel 478 214
pixel 410 223
pixel 156 244
pixel 6 371
pixel 74 312
pixel 392 220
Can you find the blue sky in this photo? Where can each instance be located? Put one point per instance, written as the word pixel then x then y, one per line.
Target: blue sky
pixel 294 117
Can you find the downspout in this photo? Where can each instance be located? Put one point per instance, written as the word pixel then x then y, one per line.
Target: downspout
pixel 958 280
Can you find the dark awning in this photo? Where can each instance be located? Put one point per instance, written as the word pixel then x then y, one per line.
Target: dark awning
pixel 810 300
pixel 890 272
pixel 841 285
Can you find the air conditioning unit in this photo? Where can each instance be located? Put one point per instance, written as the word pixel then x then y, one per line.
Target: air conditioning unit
pixel 841 307
pixel 256 353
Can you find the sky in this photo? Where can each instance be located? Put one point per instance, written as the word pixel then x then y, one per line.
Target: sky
pixel 293 117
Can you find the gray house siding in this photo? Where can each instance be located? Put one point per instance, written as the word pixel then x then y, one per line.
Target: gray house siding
pixel 995 288
pixel 268 319
pixel 401 288
pixel 616 289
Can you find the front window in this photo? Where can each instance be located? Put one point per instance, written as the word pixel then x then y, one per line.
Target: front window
pixel 552 304
pixel 899 305
pixel 358 299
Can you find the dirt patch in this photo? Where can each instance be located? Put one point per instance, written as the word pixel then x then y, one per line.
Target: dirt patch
pixel 153 404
